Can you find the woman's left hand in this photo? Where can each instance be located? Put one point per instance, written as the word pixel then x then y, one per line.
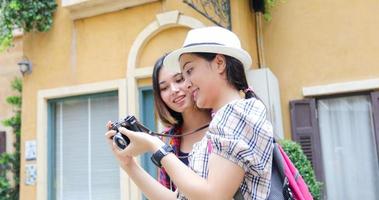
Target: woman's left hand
pixel 140 142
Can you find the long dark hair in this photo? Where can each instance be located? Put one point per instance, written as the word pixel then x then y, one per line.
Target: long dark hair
pixel 168 116
pixel 235 73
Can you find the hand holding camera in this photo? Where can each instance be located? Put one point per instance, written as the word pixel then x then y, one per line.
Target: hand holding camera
pixel 130 123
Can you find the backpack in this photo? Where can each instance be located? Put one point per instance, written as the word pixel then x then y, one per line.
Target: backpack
pixel 286 181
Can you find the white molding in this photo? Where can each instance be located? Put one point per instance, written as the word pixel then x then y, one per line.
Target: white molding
pixel 67 3
pixel 170 17
pixel 42 107
pixel 344 87
pixel 163 21
pixel 81 89
pixel 144 72
pixel 88 8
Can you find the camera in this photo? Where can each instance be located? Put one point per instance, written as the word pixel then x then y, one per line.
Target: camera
pixel 130 123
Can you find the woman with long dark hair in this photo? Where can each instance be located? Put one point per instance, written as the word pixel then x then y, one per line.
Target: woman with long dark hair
pixel 178 112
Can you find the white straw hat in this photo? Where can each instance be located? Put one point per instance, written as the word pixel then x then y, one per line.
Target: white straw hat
pixel 209 40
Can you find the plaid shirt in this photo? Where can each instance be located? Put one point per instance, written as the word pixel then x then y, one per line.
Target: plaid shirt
pixel 163 177
pixel 240 133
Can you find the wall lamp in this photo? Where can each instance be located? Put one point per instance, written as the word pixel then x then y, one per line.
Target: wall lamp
pixel 25 66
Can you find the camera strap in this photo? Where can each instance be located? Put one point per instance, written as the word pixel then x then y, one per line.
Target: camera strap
pixel 163 134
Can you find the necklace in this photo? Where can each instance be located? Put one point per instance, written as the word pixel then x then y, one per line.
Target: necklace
pixel 181 135
pixel 186 156
pixel 182 155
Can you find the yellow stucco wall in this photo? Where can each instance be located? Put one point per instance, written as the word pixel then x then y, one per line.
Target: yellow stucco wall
pixel 150 54
pixel 310 43
pixel 8 71
pixel 96 49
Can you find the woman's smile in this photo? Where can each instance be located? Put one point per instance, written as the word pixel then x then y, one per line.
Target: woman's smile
pixel 180 99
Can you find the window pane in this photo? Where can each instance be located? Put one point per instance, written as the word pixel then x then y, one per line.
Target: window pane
pixel 348 148
pixel 85 167
pixel 105 169
pixel 72 150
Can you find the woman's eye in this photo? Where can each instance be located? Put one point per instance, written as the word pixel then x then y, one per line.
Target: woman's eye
pixel 163 88
pixel 179 80
pixel 189 71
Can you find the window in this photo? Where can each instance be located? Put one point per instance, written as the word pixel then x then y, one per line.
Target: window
pixel 342 142
pixel 348 147
pixel 81 164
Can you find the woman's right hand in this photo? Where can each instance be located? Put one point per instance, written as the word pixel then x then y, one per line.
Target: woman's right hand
pixel 124 160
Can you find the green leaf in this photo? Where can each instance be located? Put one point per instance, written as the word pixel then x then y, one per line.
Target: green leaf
pixel 15 5
pixel 10 162
pixel 17 84
pixel 28 15
pixel 14 100
pixel 269 5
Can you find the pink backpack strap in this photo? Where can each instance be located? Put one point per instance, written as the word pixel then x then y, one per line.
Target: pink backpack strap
pixel 210 147
pixel 167 129
pixel 297 184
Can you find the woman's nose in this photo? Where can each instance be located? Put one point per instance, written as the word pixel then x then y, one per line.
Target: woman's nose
pixel 174 87
pixel 187 83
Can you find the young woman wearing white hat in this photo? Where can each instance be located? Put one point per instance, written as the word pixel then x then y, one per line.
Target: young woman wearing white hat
pixel 236 154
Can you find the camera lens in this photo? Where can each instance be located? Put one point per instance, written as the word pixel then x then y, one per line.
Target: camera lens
pixel 121 140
